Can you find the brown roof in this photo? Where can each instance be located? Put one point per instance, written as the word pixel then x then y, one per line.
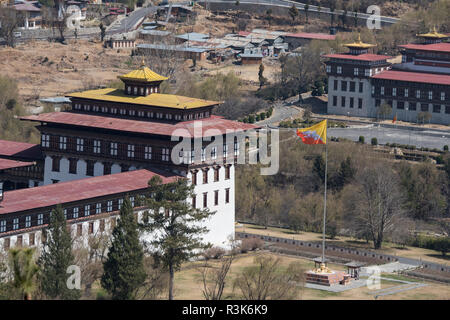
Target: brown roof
pixel 413 77
pixel 9 164
pixel 180 129
pixel 77 190
pixel 16 149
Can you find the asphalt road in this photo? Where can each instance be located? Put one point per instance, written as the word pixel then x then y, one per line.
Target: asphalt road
pixel 429 139
pixel 127 24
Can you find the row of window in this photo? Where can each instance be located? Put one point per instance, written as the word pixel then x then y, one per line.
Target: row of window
pixel 216 198
pixel 348 86
pixel 368 72
pixel 351 102
pixel 70 213
pixel 141 113
pixel 404 92
pixel 205 174
pixel 73 166
pixel 414 106
pixel 141 90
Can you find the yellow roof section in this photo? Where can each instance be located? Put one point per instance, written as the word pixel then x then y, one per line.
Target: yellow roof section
pixel 433 34
pixel 359 44
pixel 143 74
pixel 154 99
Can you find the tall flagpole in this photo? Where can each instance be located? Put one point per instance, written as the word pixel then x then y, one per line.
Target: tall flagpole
pixel 325 202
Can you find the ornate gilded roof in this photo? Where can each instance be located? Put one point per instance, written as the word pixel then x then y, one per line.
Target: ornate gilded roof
pixel 154 99
pixel 143 74
pixel 433 34
pixel 359 44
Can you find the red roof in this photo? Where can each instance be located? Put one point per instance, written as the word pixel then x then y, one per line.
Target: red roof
pixel 442 47
pixel 20 149
pixel 77 190
pixel 243 33
pixel 9 164
pixel 413 77
pixel 313 36
pixel 361 57
pixel 26 7
pixel 180 129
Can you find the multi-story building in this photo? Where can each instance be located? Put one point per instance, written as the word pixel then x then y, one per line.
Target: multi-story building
pixel 360 82
pixel 126 136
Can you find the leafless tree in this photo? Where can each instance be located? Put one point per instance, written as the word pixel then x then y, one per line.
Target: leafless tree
pixel 266 281
pixel 10 20
pixel 214 278
pixel 156 282
pixel 377 203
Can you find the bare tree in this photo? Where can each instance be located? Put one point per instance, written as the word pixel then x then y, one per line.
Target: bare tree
pixel 378 204
pixel 10 20
pixel 265 281
pixel 156 281
pixel 214 278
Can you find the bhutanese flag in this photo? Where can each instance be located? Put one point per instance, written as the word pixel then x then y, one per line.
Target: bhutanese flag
pixel 317 134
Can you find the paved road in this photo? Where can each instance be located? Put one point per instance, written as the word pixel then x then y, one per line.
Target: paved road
pixel 280 113
pixel 129 23
pixel 427 139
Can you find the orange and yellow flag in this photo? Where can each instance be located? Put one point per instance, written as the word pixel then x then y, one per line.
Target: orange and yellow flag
pixel 317 134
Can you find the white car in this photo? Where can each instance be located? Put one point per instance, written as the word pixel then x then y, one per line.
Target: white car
pixel 17 34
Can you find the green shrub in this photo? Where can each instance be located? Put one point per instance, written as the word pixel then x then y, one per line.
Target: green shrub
pixel 361 139
pixel 445 148
pixel 374 141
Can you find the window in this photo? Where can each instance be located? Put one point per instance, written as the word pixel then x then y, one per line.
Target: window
pixel 75 212
pixel 120 204
pixel 124 167
pixel 361 87
pixel 45 140
pixel 382 91
pixel 3 226
pixel 150 114
pixel 394 92
pixel 334 101
pixel 132 201
pixel 436 108
pixel 360 102
pixel 87 107
pixel 368 72
pixel 104 109
pixel 205 176
pixel 447 109
pixel 205 199
pixel 98 208
pixel 31 239
pixel 216 174
pixel 412 107
pixel 165 154
pixel 55 164
pixel 418 94
pixel 430 95
pixel 194 177
pixel 442 96
pixel 344 85
pixel 147 152
pixel 339 69
pixel 355 71
pixel 227 172
pixel 406 92
pixel 40 219
pixel 97 146
pixel 130 150
pixel 131 112
pixel 73 165
pixel 113 148
pixel 214 153
pixel 424 107
pixel 335 85
pixel 227 195
pixel 159 115
pixel 400 104
pixel 352 86
pixel 15 223
pixel 27 221
pixel 343 102
pixel 109 206
pixel 90 168
pixel 62 143
pixel 79 230
pixel 194 202
pixel 19 241
pixel 65 214
pixel 87 210
pixel 216 197
pixel 106 168
pixel 91 227
pixel 373 90
pixel 80 144
pixel 236 148
pixel 203 154
pixel 225 151
pixel 351 102
pixel 141 114
pixel 114 110
pixel 328 69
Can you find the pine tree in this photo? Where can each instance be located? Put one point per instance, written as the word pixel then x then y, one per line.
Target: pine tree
pixel 124 267
pixel 262 79
pixel 176 225
pixel 56 257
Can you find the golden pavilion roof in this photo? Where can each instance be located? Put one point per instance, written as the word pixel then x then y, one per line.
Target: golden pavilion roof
pixel 358 44
pixel 433 34
pixel 154 99
pixel 143 74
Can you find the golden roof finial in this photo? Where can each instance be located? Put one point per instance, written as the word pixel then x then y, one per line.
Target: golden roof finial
pixel 143 62
pixel 359 37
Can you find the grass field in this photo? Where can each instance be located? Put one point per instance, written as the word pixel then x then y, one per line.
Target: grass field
pixel 188 284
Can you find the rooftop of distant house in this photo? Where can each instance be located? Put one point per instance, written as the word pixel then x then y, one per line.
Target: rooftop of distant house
pixel 414 77
pixel 10 164
pixel 14 149
pixel 439 47
pixel 77 190
pixel 360 57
